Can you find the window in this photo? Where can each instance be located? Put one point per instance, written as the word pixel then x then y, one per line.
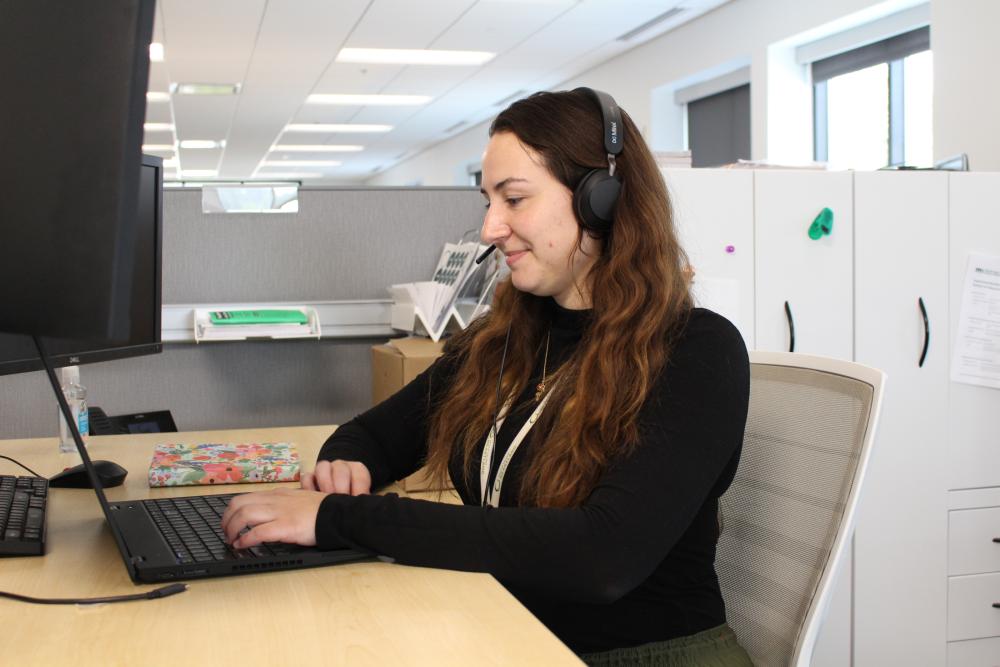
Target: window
pixel 475 174
pixel 872 106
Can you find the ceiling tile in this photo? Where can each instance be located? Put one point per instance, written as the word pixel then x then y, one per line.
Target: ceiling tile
pixel 499 25
pixel 200 158
pixel 210 42
pixel 403 24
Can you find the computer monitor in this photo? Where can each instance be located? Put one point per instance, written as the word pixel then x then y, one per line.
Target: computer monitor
pixel 17 351
pixel 74 76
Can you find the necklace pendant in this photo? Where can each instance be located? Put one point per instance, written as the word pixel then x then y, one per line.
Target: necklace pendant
pixel 539 390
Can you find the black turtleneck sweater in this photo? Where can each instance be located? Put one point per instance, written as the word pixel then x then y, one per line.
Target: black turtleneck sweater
pixel 635 562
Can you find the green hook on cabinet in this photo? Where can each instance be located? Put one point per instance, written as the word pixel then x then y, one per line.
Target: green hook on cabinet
pixel 822 225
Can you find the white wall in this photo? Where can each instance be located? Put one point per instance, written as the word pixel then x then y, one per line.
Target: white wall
pixel 445 163
pixel 966 95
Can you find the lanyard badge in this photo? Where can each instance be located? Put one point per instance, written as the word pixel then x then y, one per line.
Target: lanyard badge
pixel 490 496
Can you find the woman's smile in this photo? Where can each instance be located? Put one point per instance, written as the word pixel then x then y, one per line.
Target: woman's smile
pixel 514 256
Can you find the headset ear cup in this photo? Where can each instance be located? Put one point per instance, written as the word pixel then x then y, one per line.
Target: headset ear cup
pixel 594 200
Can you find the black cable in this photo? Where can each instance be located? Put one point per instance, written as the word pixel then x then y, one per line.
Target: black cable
pixel 21 464
pixel 161 592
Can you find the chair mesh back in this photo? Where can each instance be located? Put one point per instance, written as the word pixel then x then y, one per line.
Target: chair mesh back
pixel 803 439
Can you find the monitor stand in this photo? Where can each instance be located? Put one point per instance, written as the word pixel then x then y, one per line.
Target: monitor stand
pixel 66 413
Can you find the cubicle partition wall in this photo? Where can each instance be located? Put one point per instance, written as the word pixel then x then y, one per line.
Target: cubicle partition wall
pixel 344 244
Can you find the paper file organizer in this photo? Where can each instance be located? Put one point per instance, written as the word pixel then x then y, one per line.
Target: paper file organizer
pixel 205 330
pixel 432 307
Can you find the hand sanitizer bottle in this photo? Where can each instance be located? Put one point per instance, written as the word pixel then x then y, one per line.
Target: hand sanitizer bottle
pixel 76 397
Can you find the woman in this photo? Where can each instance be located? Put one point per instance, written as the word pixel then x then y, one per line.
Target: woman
pixel 589 422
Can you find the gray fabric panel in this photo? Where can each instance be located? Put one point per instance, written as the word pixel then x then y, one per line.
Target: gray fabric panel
pixel 344 244
pixel 208 386
pixel 780 516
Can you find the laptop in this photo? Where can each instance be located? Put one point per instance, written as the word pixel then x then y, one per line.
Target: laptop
pixel 170 539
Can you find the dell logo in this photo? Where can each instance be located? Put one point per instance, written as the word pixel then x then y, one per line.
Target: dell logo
pixel 614 132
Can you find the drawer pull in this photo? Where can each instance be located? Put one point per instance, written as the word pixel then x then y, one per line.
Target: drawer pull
pixel 927 331
pixel 791 327
pixel 996 605
pixel 997 540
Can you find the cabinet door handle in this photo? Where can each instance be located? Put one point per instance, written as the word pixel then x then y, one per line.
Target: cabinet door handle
pixel 997 540
pixel 927 332
pixel 996 605
pixel 791 327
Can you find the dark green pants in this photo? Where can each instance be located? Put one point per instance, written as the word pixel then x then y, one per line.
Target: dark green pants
pixel 716 647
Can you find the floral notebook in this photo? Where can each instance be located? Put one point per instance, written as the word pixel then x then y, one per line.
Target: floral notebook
pixel 223 463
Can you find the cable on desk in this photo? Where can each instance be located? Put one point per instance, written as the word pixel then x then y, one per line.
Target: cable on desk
pixel 161 592
pixel 21 464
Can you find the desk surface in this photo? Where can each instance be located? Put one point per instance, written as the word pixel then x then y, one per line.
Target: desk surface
pixel 369 613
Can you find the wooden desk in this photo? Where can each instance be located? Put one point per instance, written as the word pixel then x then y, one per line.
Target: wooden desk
pixel 369 613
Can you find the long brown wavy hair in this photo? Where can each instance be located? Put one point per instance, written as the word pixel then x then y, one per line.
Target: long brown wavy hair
pixel 640 298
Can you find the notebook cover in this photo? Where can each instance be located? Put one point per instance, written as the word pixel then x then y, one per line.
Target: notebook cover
pixel 223 463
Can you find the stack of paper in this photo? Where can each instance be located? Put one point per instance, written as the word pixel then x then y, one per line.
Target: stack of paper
pixel 672 159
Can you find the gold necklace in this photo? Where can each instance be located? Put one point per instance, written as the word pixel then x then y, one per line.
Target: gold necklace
pixel 540 389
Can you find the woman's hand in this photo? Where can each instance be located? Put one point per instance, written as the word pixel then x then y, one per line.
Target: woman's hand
pixel 283 515
pixel 339 476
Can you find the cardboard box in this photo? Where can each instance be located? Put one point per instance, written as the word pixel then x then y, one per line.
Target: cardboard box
pixel 394 364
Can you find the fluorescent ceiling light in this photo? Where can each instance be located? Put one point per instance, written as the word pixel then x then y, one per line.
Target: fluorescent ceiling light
pixel 336 127
pixel 171 163
pixel 156 52
pixel 205 88
pixel 369 100
pixel 157 96
pixel 199 173
pixel 202 143
pixel 301 163
pixel 159 148
pixel 158 127
pixel 316 148
pixel 414 57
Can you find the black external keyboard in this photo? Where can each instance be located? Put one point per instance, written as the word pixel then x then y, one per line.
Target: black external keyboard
pixel 22 515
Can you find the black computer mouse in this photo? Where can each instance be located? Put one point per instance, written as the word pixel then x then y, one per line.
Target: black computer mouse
pixel 109 472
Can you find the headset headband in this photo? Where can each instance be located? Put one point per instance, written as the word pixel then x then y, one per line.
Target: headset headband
pixel 614 131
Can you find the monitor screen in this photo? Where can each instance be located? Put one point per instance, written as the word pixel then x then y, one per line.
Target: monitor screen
pixel 17 351
pixel 74 76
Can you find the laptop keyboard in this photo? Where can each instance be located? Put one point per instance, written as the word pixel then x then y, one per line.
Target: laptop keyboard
pixel 22 515
pixel 192 528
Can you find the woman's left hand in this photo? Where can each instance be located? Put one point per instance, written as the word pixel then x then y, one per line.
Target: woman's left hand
pixel 282 515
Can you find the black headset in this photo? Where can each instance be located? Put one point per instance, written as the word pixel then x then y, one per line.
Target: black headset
pixel 597 192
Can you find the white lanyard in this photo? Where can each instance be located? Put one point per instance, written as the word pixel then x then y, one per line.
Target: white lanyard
pixel 491 496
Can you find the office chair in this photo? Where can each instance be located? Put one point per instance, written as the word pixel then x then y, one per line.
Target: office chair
pixel 788 516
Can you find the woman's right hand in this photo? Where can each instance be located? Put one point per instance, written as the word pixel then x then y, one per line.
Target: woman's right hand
pixel 350 477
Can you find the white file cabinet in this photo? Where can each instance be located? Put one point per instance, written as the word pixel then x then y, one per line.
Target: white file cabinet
pixel 974 578
pixel 713 213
